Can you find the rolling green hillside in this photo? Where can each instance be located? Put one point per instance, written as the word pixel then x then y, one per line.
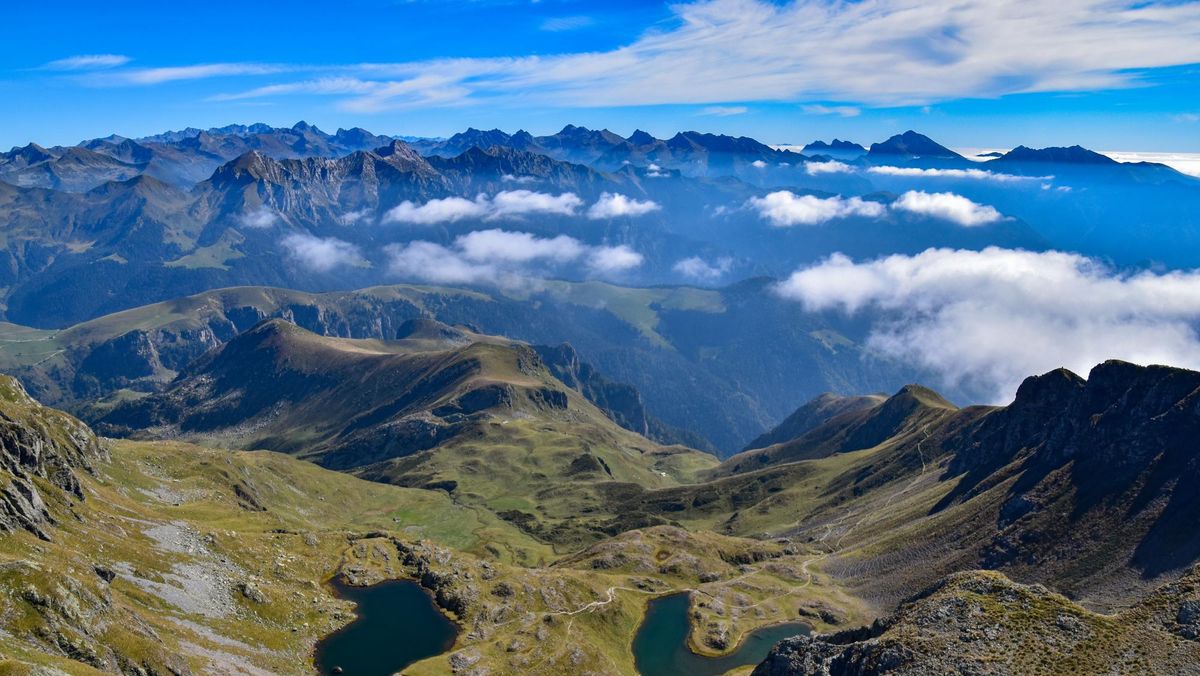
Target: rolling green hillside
pixel 721 365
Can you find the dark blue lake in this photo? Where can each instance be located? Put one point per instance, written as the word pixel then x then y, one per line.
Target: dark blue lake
pixel 396 624
pixel 660 647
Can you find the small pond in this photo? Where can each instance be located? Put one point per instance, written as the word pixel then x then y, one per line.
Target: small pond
pixel 396 624
pixel 660 647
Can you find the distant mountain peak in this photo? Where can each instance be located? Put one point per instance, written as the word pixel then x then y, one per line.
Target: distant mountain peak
pixel 836 144
pixel 912 144
pixel 641 138
pixel 1059 155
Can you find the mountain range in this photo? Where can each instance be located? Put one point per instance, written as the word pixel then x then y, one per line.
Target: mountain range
pixel 553 379
pixel 156 218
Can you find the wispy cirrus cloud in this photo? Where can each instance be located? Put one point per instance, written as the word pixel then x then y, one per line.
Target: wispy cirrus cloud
pixel 724 111
pixel 88 62
pixel 167 74
pixel 840 111
pixel 880 53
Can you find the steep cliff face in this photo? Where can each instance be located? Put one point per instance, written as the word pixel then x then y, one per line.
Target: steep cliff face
pixel 41 450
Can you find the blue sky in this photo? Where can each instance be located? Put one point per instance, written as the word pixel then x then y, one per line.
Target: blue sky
pixel 974 73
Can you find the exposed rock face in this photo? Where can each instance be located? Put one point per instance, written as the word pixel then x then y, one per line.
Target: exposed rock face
pixel 38 446
pixel 982 623
pixel 621 402
pixel 1105 465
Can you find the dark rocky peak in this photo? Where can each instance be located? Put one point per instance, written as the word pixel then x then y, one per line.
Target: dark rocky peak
pixel 912 144
pixel 248 167
pixel 479 137
pixel 835 145
pixel 640 138
pixel 1048 392
pixel 125 150
pixel 31 153
pixel 172 136
pixel 303 127
pixel 577 136
pixel 358 137
pixel 1139 392
pixel 522 140
pixel 1121 416
pixel 401 155
pixel 719 143
pixel 1072 155
pixel 240 129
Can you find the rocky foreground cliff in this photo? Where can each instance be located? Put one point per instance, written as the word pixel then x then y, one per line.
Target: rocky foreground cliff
pixel 983 623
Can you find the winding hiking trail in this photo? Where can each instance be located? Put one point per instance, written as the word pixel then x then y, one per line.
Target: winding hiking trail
pixel 610 593
pixel 837 546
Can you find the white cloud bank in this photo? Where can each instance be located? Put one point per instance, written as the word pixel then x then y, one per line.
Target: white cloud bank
pixel 321 254
pixel 504 258
pixel 947 206
pixel 713 52
pixel 784 208
pixel 616 205
pixel 976 174
pixel 985 320
pixel 830 167
pixel 505 204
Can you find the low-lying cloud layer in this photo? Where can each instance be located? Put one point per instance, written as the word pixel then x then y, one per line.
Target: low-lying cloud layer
pixel 504 258
pixel 505 204
pixel 615 205
pixel 320 254
pixel 947 206
pixel 784 208
pixel 515 204
pixel 985 320
pixel 975 174
pixel 830 167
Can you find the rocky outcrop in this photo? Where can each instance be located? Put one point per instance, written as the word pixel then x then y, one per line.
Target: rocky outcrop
pixel 983 623
pixel 41 449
